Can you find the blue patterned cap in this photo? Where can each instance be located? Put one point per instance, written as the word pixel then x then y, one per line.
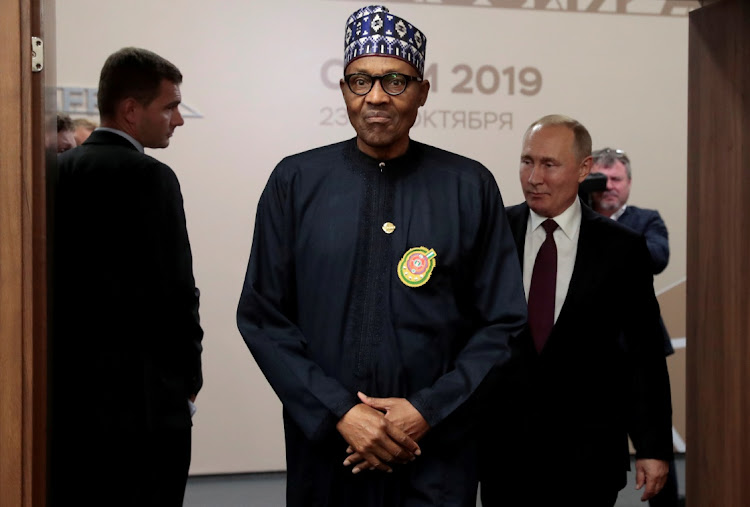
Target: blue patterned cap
pixel 373 31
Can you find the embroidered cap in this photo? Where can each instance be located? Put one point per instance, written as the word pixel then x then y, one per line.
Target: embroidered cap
pixel 373 31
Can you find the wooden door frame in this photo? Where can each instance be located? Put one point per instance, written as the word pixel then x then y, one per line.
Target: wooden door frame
pixel 23 251
pixel 717 265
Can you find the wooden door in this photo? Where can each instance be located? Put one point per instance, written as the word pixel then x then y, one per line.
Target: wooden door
pixel 27 110
pixel 718 264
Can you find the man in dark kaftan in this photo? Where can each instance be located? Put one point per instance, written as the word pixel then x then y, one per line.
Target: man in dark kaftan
pixel 383 285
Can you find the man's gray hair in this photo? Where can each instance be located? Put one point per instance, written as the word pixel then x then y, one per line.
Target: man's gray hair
pixel 607 157
pixel 582 138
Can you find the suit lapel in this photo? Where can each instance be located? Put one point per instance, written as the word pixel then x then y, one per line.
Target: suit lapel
pixel 584 270
pixel 518 218
pixel 626 216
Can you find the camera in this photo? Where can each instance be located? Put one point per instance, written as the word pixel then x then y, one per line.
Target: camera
pixel 594 182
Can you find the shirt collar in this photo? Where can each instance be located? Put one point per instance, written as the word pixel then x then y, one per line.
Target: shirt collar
pixel 617 214
pixel 138 146
pixel 569 220
pixel 401 165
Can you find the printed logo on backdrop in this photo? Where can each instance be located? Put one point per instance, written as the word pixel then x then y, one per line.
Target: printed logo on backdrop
pixel 75 100
pixel 679 8
pixel 462 79
pixel 490 80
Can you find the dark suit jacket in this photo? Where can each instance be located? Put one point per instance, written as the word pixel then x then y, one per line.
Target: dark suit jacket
pixel 601 377
pixel 649 223
pixel 127 340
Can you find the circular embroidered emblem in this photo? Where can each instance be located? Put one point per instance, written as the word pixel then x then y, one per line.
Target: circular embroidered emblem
pixel 416 266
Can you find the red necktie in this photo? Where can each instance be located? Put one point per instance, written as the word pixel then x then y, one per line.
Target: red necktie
pixel 542 290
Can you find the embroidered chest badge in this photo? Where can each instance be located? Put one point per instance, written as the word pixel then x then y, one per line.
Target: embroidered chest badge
pixel 416 266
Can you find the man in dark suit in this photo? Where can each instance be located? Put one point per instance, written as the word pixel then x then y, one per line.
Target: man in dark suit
pixel 612 203
pixel 127 340
pixel 593 370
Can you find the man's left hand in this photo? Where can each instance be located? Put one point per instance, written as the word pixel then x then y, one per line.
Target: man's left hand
pixel 652 473
pixel 400 412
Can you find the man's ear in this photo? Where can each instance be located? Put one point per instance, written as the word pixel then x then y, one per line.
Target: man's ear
pixel 424 91
pixel 128 109
pixel 585 168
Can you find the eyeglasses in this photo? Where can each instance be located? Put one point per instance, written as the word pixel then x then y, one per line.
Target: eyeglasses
pixel 393 83
pixel 609 152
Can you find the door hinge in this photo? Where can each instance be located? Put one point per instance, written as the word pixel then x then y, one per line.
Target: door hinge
pixel 37 54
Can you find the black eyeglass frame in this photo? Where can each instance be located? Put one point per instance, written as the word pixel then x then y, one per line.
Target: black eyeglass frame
pixel 406 77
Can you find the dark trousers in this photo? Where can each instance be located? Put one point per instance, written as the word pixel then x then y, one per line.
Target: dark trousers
pixel 547 495
pixel 521 482
pixel 139 469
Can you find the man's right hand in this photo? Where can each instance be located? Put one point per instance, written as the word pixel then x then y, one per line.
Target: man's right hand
pixel 375 439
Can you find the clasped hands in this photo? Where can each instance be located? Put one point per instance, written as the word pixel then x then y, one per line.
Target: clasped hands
pixel 380 432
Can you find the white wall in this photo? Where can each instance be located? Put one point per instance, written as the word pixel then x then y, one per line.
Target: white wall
pixel 253 71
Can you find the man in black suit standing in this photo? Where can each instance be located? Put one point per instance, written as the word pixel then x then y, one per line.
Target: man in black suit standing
pixel 593 369
pixel 126 346
pixel 613 203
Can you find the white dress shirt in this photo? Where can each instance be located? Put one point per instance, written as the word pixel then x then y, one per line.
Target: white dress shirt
pixel 566 239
